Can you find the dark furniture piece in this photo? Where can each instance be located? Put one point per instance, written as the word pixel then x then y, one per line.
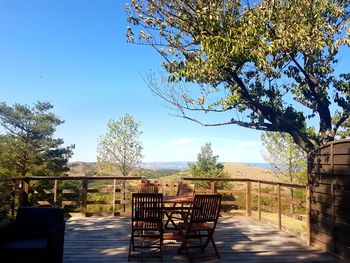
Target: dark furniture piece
pixel 201 223
pixel 146 225
pixel 36 235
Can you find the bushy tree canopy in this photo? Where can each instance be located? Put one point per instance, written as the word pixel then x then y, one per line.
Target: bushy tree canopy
pixel 267 65
pixel 27 145
pixel 288 160
pixel 206 165
pixel 120 148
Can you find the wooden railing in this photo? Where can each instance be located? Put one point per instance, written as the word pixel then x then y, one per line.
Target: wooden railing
pixel 110 195
pixel 252 189
pixel 77 192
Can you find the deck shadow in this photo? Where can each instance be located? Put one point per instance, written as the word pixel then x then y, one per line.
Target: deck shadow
pixel 239 239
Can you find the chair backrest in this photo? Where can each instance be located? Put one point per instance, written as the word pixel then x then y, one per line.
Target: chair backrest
pixel 37 221
pixel 206 208
pixel 147 207
pixel 185 189
pixel 150 188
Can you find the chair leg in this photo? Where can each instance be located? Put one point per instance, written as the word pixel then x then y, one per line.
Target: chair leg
pixel 160 248
pixel 183 242
pixel 215 248
pixel 131 246
pixel 210 234
pixel 210 239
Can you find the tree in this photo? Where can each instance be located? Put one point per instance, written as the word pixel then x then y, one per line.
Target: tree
pixel 267 66
pixel 120 148
pixel 27 145
pixel 206 165
pixel 287 158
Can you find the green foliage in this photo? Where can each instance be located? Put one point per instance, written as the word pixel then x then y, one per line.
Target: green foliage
pixel 287 158
pixel 207 166
pixel 267 65
pixel 27 145
pixel 120 148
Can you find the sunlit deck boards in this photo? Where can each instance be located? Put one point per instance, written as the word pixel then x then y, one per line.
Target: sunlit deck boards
pixel 239 239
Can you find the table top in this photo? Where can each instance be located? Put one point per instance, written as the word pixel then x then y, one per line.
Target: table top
pixel 180 199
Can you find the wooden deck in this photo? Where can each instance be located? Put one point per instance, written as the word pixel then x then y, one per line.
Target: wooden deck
pixel 239 239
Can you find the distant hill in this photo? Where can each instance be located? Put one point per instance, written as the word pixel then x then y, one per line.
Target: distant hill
pixel 264 166
pixel 241 170
pixel 84 167
pixel 159 169
pixel 181 166
pixel 150 170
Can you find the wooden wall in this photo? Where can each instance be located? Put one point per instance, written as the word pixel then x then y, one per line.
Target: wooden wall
pixel 329 180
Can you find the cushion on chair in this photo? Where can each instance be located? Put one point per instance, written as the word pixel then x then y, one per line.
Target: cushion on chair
pixel 25 250
pixel 25 244
pixel 42 219
pixel 36 236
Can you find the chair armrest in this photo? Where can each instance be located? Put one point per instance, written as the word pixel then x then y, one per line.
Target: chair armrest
pixel 7 232
pixel 59 228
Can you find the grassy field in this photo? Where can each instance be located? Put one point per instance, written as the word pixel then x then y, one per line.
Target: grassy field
pixel 237 170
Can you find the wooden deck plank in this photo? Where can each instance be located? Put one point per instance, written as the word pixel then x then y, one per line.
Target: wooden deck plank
pixel 239 239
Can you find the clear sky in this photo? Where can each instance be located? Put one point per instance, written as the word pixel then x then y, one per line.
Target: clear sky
pixel 73 53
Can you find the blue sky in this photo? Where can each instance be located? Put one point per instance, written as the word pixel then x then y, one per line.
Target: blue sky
pixel 74 54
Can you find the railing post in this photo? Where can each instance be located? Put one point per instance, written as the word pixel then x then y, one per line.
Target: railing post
pixel 279 208
pixel 214 189
pixel 249 198
pixel 124 195
pixel 55 193
pixel 308 217
pixel 13 199
pixel 24 192
pixel 175 187
pixel 113 197
pixel 144 179
pixel 84 197
pixel 259 200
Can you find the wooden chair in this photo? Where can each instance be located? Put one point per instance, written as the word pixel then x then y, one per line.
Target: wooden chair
pixel 185 189
pixel 201 223
pixel 176 214
pixel 146 224
pixel 150 188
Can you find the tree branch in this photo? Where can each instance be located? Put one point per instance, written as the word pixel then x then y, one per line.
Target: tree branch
pixel 256 126
pixel 341 120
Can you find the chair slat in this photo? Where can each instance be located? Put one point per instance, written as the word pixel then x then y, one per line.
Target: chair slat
pixel 146 221
pixel 202 222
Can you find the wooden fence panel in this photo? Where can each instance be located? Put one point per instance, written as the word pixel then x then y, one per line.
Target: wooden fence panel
pixel 329 181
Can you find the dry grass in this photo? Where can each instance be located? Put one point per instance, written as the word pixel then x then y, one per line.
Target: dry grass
pixel 237 170
pixel 234 170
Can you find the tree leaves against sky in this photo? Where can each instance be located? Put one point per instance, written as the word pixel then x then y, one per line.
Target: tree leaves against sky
pixel 267 65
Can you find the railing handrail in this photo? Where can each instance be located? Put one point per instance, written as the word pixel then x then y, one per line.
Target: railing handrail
pixel 109 177
pixel 73 178
pixel 210 179
pixel 24 191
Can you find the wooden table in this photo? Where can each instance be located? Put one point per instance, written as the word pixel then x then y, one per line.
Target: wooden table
pixel 177 199
pixel 173 205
